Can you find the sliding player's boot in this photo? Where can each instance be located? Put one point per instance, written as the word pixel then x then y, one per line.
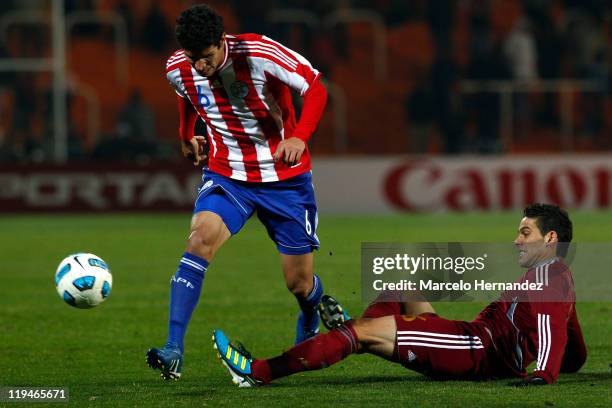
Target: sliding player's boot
pixel 235 358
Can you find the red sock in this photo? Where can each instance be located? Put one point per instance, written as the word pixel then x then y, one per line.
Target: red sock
pixel 318 352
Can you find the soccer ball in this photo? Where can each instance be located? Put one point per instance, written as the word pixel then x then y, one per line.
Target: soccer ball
pixel 83 280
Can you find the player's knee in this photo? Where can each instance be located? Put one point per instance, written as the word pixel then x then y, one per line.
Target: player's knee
pixel 371 335
pixel 203 242
pixel 299 287
pixel 298 274
pixel 363 329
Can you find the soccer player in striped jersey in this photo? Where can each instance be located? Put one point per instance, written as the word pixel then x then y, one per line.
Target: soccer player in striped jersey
pixel 257 161
pixel 503 340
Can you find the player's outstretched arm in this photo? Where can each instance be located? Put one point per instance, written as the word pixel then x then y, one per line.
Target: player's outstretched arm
pixel 552 338
pixel 575 350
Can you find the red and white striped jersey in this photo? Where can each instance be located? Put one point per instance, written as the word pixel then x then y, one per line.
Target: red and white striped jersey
pixel 539 325
pixel 247 105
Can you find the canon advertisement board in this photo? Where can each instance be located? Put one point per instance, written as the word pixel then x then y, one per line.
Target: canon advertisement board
pixel 343 185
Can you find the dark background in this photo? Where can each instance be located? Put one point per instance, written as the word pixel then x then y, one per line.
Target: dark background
pixel 433 94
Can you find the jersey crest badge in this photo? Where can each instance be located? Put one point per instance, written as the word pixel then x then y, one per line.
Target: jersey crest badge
pixel 239 89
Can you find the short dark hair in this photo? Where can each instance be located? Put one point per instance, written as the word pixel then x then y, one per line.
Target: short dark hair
pixel 551 217
pixel 198 28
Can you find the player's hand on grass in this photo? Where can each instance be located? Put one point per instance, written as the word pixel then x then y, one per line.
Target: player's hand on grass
pixel 195 150
pixel 529 382
pixel 290 151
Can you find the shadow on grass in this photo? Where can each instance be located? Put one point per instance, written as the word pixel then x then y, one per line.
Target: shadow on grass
pixel 387 379
pixel 205 393
pixel 591 379
pixel 584 378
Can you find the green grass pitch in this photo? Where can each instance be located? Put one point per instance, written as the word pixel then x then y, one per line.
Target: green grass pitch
pixel 99 353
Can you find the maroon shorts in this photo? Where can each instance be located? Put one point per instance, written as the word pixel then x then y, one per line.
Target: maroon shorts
pixel 444 349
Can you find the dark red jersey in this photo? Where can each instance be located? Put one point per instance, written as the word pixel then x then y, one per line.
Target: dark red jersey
pixel 538 325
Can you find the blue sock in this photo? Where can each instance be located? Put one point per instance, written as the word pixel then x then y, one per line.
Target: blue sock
pixel 309 303
pixel 185 290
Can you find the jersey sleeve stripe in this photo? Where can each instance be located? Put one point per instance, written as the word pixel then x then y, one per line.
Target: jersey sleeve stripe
pixel 543 341
pixel 281 48
pixel 175 62
pixel 539 339
pixel 176 56
pixel 267 56
pixel 261 44
pixel 548 341
pixel 270 50
pixel 272 44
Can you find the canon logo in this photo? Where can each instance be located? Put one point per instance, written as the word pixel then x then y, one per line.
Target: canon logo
pixel 425 185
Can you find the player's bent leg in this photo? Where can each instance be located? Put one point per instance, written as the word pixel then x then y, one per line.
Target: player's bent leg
pixel 185 288
pixel 307 289
pixel 298 273
pixel 376 336
pixel 398 303
pixel 288 210
pixel 317 352
pixel 320 351
pixel 414 303
pixel 381 308
pixel 417 308
pixel 208 233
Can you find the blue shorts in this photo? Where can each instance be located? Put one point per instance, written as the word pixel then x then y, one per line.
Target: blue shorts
pixel 286 208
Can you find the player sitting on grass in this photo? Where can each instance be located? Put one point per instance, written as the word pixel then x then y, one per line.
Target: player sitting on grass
pixel 501 342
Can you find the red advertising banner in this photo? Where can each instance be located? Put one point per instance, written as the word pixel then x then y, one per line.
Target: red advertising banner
pixel 343 185
pixel 466 183
pixel 97 188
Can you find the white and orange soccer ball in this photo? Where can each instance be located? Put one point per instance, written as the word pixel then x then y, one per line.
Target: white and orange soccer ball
pixel 83 280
